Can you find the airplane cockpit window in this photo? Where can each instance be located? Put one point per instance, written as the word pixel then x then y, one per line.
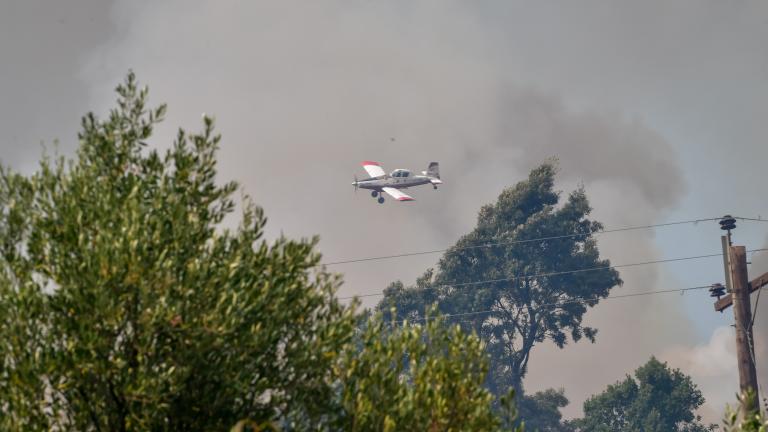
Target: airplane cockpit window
pixel 400 173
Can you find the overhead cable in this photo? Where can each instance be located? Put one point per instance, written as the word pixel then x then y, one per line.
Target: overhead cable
pixel 757 219
pixel 538 239
pixel 557 273
pixel 578 300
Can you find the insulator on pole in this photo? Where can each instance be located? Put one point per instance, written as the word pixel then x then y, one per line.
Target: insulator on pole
pixel 717 290
pixel 727 223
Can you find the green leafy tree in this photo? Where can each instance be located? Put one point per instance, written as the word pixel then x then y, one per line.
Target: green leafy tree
pixel 657 399
pixel 126 305
pixel 416 377
pixel 526 283
pixel 541 411
pixel 734 421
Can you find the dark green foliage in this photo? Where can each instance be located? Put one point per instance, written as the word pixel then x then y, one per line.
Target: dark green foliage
pixel 126 306
pixel 527 309
pixel 541 411
pixel 657 399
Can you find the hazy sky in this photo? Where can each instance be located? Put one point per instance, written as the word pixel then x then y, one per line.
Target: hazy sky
pixel 658 108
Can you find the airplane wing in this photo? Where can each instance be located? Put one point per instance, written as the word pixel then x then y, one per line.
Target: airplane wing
pixel 373 169
pixel 397 194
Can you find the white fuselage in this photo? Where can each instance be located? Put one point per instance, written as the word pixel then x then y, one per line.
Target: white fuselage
pixel 391 184
pixel 398 179
pixel 397 183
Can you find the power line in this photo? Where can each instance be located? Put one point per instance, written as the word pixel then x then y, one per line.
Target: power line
pixel 757 302
pixel 557 273
pixel 579 300
pixel 758 219
pixel 539 239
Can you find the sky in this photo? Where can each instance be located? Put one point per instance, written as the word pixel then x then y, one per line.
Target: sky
pixel 657 108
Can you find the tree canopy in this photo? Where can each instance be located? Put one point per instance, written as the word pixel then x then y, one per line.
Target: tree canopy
pixel 541 411
pixel 126 305
pixel 532 262
pixel 657 399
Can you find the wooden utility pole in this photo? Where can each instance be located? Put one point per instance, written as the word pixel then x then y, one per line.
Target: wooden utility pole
pixel 739 287
pixel 742 313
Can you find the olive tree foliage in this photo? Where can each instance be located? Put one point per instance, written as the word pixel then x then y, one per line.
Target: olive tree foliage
pixel 657 399
pixel 735 421
pixel 126 305
pixel 756 423
pixel 513 290
pixel 424 376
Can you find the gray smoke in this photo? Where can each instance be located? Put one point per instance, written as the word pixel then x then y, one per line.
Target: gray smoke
pixel 43 45
pixel 304 91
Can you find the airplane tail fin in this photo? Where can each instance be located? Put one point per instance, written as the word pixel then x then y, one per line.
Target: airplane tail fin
pixel 433 170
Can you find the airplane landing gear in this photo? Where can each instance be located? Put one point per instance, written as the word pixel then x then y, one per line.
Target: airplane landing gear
pixel 434 186
pixel 381 200
pixel 374 194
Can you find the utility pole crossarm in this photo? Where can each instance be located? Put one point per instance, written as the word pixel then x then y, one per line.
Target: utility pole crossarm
pixel 757 283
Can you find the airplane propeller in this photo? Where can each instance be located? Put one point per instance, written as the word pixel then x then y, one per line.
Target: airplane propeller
pixel 355 184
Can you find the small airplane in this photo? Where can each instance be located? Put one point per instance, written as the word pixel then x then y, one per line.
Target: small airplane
pixel 381 182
